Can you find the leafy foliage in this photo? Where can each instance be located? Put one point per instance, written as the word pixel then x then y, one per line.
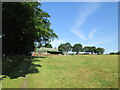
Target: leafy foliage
pixel 112 53
pixel 86 49
pixel 100 50
pixel 77 48
pixel 118 53
pixel 115 53
pixel 48 45
pixel 65 47
pixel 93 49
pixel 24 23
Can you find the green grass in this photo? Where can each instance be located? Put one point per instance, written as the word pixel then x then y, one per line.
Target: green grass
pixel 84 71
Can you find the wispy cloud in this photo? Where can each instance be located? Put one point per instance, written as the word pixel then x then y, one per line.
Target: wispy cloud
pixel 92 33
pixel 57 42
pixel 87 10
pixel 94 43
pixel 79 34
pixel 83 15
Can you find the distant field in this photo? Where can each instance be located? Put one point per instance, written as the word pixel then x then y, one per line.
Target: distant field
pixel 83 71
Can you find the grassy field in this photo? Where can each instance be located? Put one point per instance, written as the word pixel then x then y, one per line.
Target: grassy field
pixel 84 71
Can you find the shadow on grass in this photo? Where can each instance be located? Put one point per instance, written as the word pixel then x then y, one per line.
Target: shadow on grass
pixel 19 67
pixel 37 60
pixel 39 57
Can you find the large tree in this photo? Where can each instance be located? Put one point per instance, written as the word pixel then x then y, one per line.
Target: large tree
pixel 118 53
pixel 65 47
pixel 68 47
pixel 48 45
pixel 61 47
pixel 92 49
pixel 100 50
pixel 86 49
pixel 77 48
pixel 112 53
pixel 22 24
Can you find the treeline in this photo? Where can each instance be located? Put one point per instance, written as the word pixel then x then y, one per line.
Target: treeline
pixel 23 24
pixel 115 53
pixel 79 48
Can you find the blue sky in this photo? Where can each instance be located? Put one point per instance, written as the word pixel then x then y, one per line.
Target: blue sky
pixel 87 23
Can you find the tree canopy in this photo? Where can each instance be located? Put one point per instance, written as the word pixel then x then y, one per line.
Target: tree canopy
pixel 115 53
pixel 48 45
pixel 90 49
pixel 22 24
pixel 65 47
pixel 86 49
pixel 77 48
pixel 118 53
pixel 100 50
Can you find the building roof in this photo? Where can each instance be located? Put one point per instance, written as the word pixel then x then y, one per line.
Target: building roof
pixel 46 49
pixel 70 52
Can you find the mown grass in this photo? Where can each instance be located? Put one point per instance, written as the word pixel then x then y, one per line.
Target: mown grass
pixel 84 71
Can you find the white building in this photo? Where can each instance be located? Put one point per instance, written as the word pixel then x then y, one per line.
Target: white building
pixel 70 52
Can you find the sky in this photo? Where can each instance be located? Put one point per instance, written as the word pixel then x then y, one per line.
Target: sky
pixel 87 23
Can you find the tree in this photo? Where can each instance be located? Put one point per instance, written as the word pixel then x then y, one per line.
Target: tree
pixel 86 49
pixel 92 49
pixel 112 53
pixel 61 47
pixel 65 47
pixel 68 47
pixel 48 45
pixel 55 48
pixel 15 29
pixel 118 53
pixel 100 50
pixel 77 48
pixel 22 24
